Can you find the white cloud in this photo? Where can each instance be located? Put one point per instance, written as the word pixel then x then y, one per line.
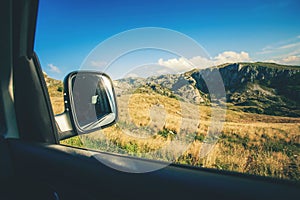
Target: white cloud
pixel 283 52
pixel 54 69
pixel 289 46
pixel 98 63
pixel 265 51
pixel 292 60
pixel 201 62
pixel 183 64
pixel 270 61
pixel 232 57
pixel 285 60
pixel 179 65
pixel 282 46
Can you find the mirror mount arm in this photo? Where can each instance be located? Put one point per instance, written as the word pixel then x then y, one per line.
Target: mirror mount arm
pixel 64 126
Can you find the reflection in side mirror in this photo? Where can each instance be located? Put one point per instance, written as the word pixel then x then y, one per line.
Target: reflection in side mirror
pixel 90 102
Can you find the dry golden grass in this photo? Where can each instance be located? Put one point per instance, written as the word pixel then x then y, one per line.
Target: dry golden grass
pixel 147 109
pixel 57 104
pixel 248 143
pixel 238 159
pixel 56 96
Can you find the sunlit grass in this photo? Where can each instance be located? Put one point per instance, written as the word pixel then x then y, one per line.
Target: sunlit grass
pixel 150 124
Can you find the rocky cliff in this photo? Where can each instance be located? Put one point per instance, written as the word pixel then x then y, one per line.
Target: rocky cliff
pixel 265 88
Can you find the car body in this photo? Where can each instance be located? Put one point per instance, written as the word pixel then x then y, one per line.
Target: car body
pixel 34 165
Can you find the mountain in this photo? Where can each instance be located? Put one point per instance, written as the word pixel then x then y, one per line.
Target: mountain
pixel 55 89
pixel 264 88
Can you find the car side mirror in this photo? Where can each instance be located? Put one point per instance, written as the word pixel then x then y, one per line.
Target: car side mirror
pixel 90 104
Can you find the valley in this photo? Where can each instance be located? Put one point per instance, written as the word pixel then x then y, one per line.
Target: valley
pixel 170 117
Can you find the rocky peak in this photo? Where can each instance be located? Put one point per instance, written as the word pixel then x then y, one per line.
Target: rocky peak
pixel 253 87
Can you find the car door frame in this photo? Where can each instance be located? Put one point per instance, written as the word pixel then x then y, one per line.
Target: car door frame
pixel 74 173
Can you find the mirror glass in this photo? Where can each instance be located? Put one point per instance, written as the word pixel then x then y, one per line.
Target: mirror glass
pixel 92 101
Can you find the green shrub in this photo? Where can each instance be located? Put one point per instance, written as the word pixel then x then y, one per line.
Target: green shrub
pixel 200 137
pixel 167 133
pixel 60 88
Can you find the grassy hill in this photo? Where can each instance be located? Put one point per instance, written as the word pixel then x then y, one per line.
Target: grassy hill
pixel 55 89
pixel 248 143
pixel 168 118
pixel 262 88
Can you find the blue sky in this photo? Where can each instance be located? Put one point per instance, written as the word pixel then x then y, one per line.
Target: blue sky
pixel 256 30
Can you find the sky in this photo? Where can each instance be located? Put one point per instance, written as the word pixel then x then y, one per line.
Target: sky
pixel 74 34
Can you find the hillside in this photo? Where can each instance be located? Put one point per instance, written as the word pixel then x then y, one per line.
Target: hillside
pixel 263 88
pixel 175 109
pixel 55 89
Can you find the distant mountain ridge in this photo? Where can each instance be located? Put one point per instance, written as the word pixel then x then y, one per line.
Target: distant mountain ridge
pixel 265 88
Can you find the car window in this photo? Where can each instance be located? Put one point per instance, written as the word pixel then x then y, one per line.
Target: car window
pixel 207 84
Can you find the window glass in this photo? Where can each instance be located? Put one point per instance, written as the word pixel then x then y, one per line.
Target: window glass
pixel 215 85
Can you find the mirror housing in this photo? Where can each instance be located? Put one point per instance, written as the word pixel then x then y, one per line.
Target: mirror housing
pixel 90 104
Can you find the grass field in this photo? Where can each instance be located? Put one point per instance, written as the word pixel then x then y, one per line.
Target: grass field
pixel 158 127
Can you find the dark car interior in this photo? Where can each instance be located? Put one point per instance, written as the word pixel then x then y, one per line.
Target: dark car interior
pixel 33 165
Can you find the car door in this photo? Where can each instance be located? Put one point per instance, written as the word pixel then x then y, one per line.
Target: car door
pixel 34 165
